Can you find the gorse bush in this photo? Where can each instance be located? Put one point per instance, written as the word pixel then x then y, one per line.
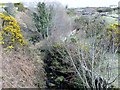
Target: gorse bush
pixel 114 31
pixel 113 35
pixel 10 33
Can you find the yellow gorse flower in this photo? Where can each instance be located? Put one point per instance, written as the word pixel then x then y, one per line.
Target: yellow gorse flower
pixel 2 42
pixel 1 38
pixel 114 29
pixel 12 29
pixel 10 47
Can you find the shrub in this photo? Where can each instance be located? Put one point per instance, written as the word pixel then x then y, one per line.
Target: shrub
pixel 113 33
pixel 90 25
pixel 60 72
pixel 10 9
pixel 11 32
pixel 20 6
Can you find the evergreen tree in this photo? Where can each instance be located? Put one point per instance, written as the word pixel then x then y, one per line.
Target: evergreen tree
pixel 42 19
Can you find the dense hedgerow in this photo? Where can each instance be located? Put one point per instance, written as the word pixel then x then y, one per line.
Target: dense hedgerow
pixel 10 33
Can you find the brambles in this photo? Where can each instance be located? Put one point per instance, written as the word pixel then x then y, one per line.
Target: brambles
pixel 10 32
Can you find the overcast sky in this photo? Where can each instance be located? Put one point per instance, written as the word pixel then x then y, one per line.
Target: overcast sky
pixel 74 3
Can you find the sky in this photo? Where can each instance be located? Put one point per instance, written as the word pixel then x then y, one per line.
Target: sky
pixel 73 3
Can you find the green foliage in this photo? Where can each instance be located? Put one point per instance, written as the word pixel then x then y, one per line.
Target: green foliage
pixel 10 9
pixel 73 39
pixel 59 79
pixel 34 39
pixel 100 10
pixel 113 35
pixel 20 6
pixel 60 73
pixel 71 12
pixel 2 4
pixel 42 19
pixel 90 25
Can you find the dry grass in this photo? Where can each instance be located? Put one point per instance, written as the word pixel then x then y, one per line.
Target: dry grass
pixel 20 70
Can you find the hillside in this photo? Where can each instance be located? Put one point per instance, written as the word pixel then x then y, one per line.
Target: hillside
pixel 55 47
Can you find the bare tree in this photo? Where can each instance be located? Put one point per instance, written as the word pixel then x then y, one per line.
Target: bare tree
pixel 61 22
pixel 91 52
